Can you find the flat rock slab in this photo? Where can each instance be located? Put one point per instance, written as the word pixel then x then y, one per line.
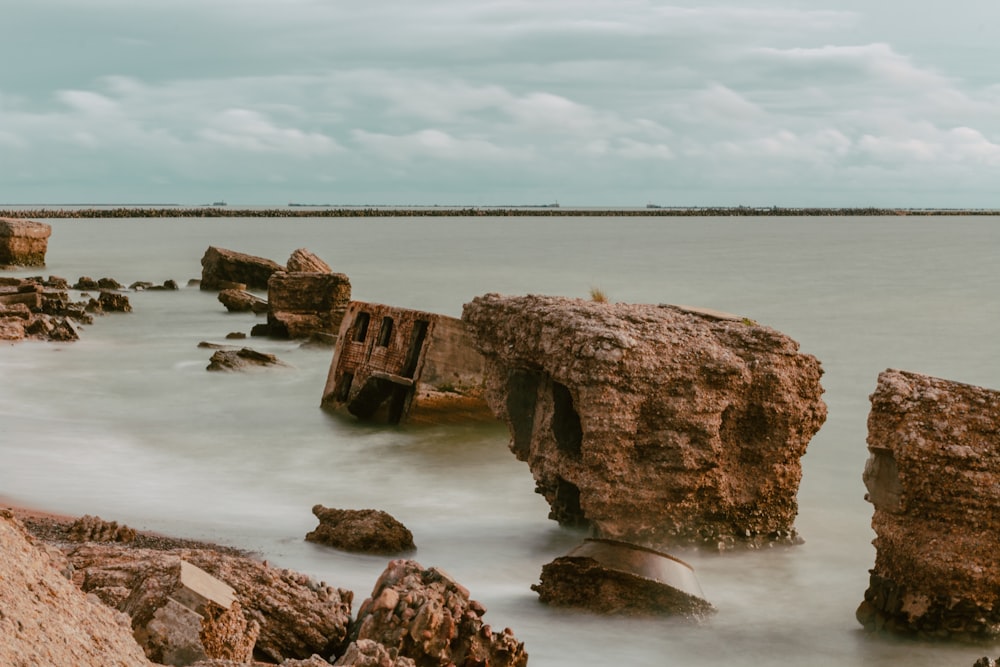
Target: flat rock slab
pixel 361 531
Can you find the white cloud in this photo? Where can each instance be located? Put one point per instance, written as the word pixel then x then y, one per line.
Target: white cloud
pixel 248 130
pixel 435 144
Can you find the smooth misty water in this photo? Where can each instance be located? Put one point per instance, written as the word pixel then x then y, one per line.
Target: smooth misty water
pixel 126 423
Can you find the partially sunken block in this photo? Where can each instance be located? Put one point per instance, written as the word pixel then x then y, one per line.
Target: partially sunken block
pixel 23 242
pixel 652 424
pixel 934 479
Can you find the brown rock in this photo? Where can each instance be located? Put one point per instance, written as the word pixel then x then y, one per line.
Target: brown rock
pixel 368 653
pixel 219 266
pixel 241 301
pixel 297 617
pixel 360 531
pixel 241 360
pixel 23 242
pixel 657 425
pixel 427 616
pixel 303 261
pixel 95 529
pixel 46 620
pixel 933 476
pixel 300 304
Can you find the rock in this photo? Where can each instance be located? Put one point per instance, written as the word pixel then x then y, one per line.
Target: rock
pixel 242 359
pixel 95 529
pixel 303 261
pixel 46 620
pixel 612 577
pixel 241 301
pixel 110 302
pixel 427 616
pixel 86 283
pixel 300 304
pixel 394 365
pixel 368 653
pixel 656 425
pixel 933 477
pixel 297 617
pixel 23 242
pixel 360 531
pixel 220 266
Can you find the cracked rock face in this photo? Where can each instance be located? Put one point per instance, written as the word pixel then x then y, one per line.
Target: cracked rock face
pixel 933 477
pixel 659 425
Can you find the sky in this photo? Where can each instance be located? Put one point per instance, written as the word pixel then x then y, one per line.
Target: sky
pixel 617 103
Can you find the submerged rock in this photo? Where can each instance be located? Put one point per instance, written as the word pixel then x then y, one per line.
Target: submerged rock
pixel 657 425
pixel 612 577
pixel 933 477
pixel 241 301
pixel 243 359
pixel 361 531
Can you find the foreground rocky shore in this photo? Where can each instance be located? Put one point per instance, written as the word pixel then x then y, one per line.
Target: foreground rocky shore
pixel 90 593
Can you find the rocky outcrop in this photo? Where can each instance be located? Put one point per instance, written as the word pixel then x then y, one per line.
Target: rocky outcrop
pixel 360 531
pixel 220 266
pixel 427 616
pixel 46 620
pixel 95 529
pixel 301 304
pixel 297 617
pixel 23 242
pixel 241 301
pixel 656 425
pixel 39 309
pixel 241 360
pixel 933 476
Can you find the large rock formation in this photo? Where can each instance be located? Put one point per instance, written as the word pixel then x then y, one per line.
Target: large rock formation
pixel 222 268
pixel 46 620
pixel 657 425
pixel 933 477
pixel 23 242
pixel 297 617
pixel 360 531
pixel 427 616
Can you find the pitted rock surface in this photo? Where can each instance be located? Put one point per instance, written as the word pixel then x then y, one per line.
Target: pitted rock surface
pixel 657 425
pixel 427 616
pixel 933 476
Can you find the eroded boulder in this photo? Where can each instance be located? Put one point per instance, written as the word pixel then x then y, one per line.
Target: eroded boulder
pixel 652 424
pixel 305 261
pixel 23 242
pixel 360 531
pixel 220 267
pixel 427 616
pixel 933 477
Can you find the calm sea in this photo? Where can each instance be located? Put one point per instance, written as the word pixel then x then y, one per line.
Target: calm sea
pixel 127 423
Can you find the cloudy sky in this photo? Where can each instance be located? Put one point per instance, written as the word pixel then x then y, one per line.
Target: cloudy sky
pixel 490 102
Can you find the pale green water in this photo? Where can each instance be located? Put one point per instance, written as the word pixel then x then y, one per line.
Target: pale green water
pixel 126 423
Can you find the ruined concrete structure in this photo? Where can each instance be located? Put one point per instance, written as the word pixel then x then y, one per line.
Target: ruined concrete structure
pixel 222 268
pixel 933 477
pixel 23 242
pixel 393 364
pixel 657 425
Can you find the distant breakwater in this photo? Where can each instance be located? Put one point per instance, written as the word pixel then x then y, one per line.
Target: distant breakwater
pixel 419 212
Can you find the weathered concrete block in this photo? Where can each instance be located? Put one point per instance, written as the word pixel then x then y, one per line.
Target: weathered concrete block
pixel 300 304
pixel 221 267
pixel 933 477
pixel 656 425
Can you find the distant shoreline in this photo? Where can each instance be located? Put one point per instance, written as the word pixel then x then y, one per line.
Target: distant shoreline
pixel 471 211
